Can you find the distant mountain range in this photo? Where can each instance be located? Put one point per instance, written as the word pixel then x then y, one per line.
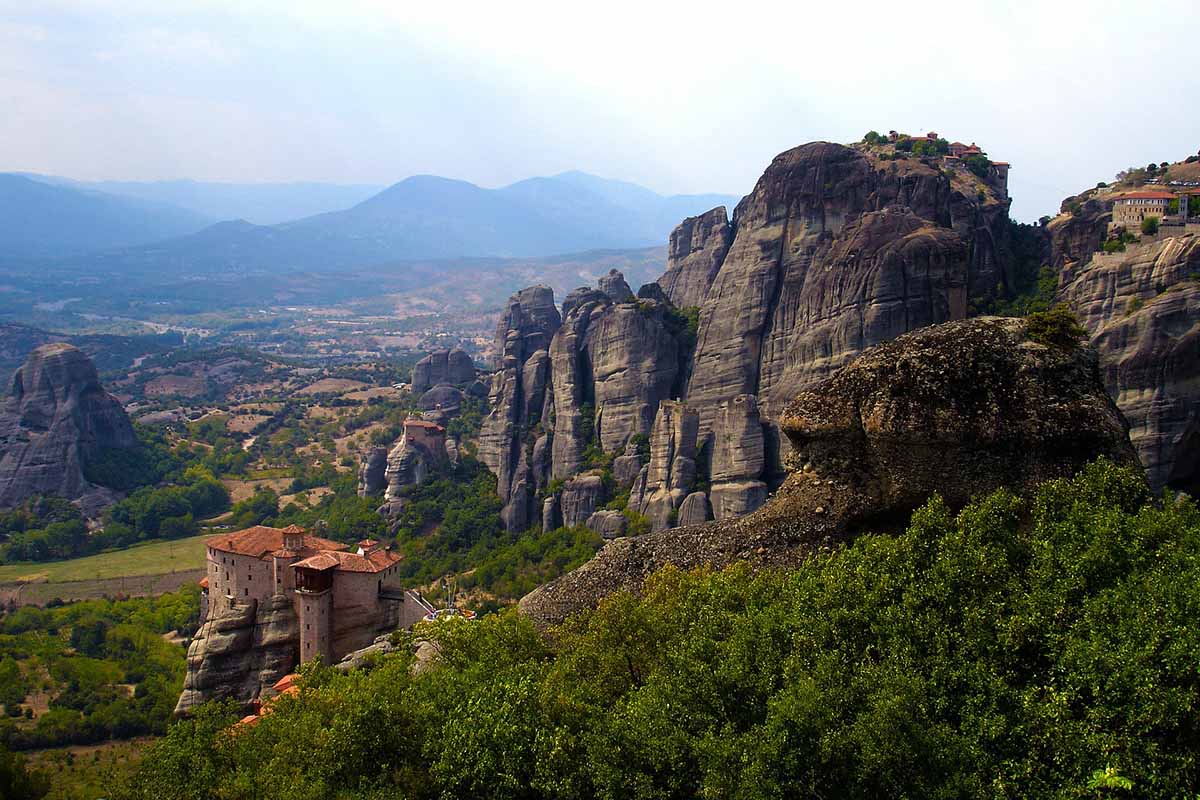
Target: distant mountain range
pixel 46 220
pixel 169 226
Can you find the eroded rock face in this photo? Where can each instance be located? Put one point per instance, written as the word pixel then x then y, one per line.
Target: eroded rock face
pixel 55 418
pixel 671 472
pixel 695 510
pixel 695 253
pixel 612 364
pixel 738 458
pixel 240 652
pixel 371 469
pixel 1142 311
pixel 518 402
pixel 959 409
pixel 581 496
pixel 608 523
pixel 450 367
pixel 614 285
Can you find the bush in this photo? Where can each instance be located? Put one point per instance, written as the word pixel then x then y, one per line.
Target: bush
pixel 1055 328
pixel 1150 225
pixel 1114 246
pixel 1040 648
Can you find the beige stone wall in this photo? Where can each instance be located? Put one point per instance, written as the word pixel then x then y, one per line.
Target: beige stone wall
pixel 238 578
pixel 1133 212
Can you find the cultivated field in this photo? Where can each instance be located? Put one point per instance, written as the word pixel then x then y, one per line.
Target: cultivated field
pixel 145 569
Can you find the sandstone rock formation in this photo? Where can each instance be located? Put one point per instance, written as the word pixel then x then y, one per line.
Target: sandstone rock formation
pixel 738 458
pixel 239 653
pixel 56 417
pixel 613 284
pixel 442 367
pixel 516 426
pixel 959 409
pixel 671 472
pixel 695 253
pixel 371 471
pixel 409 463
pixel 581 496
pixel 608 523
pixel 695 510
pixel 834 252
pixel 1142 311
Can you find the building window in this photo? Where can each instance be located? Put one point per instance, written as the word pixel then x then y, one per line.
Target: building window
pixel 247 591
pixel 306 626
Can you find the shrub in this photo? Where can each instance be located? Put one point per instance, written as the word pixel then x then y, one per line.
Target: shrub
pixel 1150 225
pixel 1054 328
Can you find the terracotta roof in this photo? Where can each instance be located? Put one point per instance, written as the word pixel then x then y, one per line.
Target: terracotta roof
pixel 321 561
pixel 1147 196
pixel 1001 164
pixel 352 562
pixel 285 682
pixel 204 582
pixel 261 540
pixel 420 423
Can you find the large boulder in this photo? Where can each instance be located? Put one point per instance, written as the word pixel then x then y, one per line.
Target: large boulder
pixel 55 419
pixel 958 409
pixel 581 496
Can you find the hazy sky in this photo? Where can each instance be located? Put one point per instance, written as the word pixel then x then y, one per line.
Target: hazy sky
pixel 681 97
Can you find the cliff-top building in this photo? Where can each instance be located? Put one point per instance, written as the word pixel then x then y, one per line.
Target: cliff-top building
pixel 1133 207
pixel 341 598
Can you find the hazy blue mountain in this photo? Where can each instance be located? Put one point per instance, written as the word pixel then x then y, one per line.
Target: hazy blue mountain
pixel 260 203
pixel 429 217
pixel 39 219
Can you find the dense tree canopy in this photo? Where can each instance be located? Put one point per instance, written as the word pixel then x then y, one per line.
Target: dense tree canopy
pixel 1020 648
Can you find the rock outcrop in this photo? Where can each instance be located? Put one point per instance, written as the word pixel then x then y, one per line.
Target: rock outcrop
pixel 608 523
pixel 738 458
pixel 240 652
pixel 671 471
pixel 442 367
pixel 372 477
pixel 410 462
pixel 581 496
pixel 613 284
pixel 1141 309
pixel 958 409
pixel 55 419
pixel 695 253
pixel 513 439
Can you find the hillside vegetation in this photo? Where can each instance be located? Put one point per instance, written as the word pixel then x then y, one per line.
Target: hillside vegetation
pixel 1020 648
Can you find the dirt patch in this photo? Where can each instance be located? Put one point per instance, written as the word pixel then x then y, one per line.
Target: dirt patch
pixel 313 496
pixel 244 423
pixel 240 490
pixel 176 385
pixel 332 386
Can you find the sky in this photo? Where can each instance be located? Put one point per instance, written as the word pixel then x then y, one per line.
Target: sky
pixel 681 97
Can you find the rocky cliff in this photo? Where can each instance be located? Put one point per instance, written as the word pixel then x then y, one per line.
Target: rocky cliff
pixel 55 418
pixel 1141 308
pixel 957 409
pixel 836 249
pixel 240 652
pixel 513 439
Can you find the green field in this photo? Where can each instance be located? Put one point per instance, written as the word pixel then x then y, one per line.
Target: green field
pixel 152 558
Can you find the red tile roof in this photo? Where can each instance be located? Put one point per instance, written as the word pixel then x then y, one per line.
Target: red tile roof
pixel 352 562
pixel 321 561
pixel 204 582
pixel 261 540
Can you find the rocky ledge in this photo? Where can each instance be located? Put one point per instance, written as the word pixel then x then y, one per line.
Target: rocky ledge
pixel 958 409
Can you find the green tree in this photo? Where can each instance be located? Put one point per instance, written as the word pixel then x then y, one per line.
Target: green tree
pixel 1150 225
